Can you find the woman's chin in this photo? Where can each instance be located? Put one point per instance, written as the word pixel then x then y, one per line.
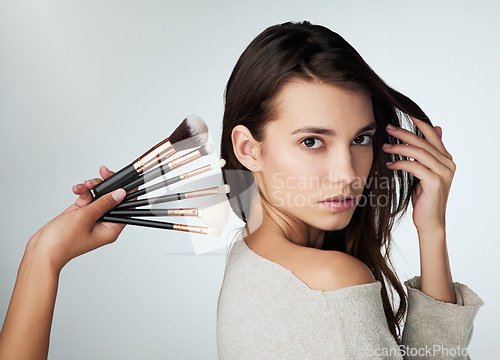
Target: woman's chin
pixel 332 225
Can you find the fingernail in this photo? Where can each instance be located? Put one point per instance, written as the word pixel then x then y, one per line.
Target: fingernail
pixel 119 194
pixel 386 146
pixel 390 127
pixel 389 163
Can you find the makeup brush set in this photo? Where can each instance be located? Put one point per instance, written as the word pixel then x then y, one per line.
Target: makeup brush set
pixel 136 178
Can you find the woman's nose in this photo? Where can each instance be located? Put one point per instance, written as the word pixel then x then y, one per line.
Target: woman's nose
pixel 341 167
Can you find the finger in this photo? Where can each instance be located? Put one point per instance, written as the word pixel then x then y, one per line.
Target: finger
pixel 92 182
pixel 419 154
pixel 105 203
pixel 84 197
pixel 439 131
pixel 431 135
pixel 107 232
pixel 412 139
pixel 105 172
pixel 83 192
pixel 420 171
pixel 79 189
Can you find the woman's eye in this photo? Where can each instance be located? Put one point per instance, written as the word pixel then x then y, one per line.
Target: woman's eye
pixel 363 140
pixel 312 143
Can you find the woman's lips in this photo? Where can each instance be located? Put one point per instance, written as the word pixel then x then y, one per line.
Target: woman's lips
pixel 340 204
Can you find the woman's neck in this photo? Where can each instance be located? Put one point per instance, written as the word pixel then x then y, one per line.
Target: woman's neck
pixel 264 218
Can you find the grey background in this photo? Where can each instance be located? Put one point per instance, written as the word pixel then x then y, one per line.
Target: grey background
pixel 85 83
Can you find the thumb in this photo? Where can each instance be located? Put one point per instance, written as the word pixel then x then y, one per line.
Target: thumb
pixel 439 130
pixel 104 204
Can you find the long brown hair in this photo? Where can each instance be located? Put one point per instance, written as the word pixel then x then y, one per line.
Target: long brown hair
pixel 312 52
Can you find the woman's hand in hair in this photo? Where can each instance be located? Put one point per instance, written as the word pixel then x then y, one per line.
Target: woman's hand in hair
pixel 434 167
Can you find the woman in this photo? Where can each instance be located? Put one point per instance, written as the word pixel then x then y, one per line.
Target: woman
pixel 308 278
pixel 310 275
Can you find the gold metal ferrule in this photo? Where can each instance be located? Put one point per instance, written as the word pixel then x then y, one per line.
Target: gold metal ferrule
pixel 154 156
pixel 191 228
pixel 183 212
pixel 193 155
pixel 203 192
pixel 195 172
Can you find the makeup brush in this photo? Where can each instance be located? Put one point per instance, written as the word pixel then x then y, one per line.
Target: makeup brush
pixel 216 165
pixel 190 133
pixel 224 189
pixel 213 212
pixel 171 165
pixel 213 231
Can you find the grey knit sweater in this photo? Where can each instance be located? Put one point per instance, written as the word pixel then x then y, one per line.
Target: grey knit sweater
pixel 266 312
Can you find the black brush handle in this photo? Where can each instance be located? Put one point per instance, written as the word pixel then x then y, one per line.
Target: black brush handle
pixel 139 212
pixel 152 188
pixel 115 181
pixel 148 176
pixel 152 201
pixel 138 222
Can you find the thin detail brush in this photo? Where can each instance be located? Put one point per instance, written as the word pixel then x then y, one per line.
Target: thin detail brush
pixel 213 212
pixel 171 165
pixel 216 165
pixel 212 231
pixel 224 189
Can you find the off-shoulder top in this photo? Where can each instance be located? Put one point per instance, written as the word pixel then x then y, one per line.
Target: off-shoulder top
pixel 266 312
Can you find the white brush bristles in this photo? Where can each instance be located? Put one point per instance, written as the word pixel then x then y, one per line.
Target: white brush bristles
pixel 214 211
pixel 218 164
pixel 197 126
pixel 209 148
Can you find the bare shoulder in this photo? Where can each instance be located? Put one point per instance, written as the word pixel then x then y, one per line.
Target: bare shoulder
pixel 330 270
pixel 319 269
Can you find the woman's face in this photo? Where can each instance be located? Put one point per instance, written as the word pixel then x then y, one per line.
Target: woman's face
pixel 319 146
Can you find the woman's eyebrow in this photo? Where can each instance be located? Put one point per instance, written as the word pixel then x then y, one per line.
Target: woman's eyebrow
pixel 327 131
pixel 371 126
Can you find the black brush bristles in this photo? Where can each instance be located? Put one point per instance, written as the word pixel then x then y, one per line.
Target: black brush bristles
pixel 190 133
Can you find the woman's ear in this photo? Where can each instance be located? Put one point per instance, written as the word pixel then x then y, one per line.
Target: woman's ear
pixel 246 148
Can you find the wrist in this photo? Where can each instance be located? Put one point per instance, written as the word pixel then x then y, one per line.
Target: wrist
pixel 40 261
pixel 437 231
pixel 432 239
